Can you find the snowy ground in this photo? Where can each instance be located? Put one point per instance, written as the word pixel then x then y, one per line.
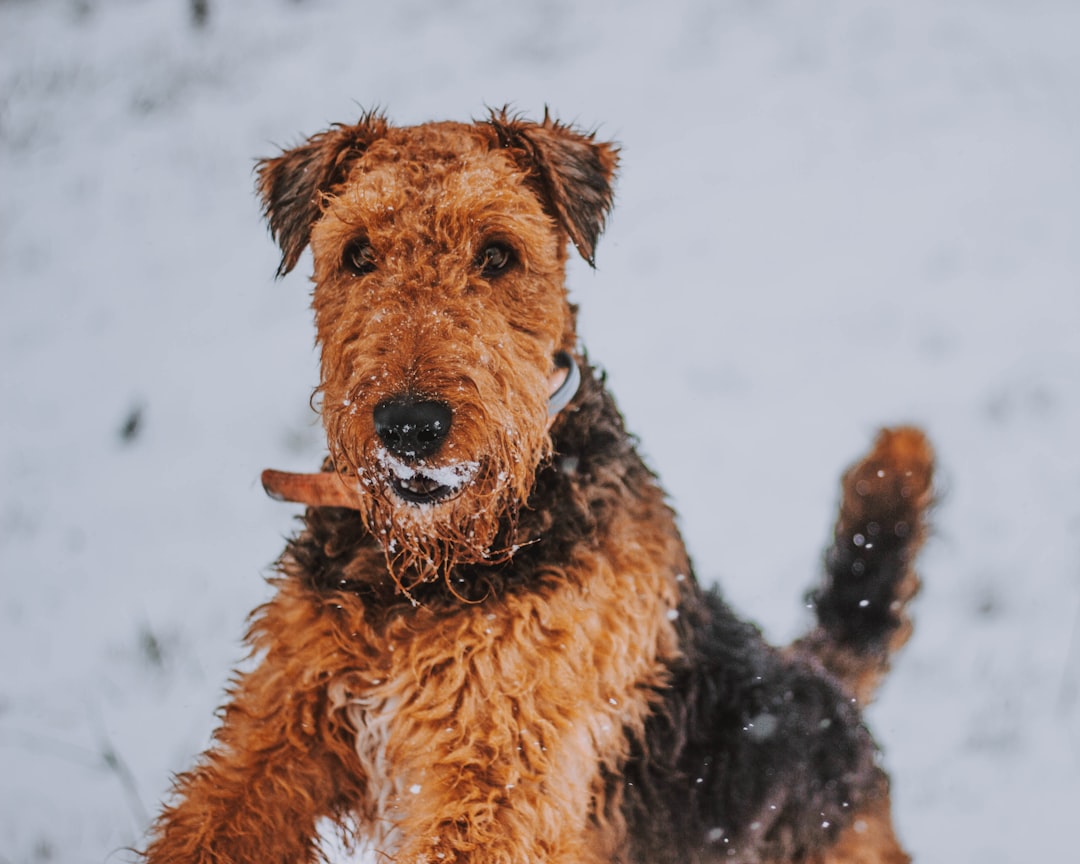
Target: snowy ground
pixel 832 215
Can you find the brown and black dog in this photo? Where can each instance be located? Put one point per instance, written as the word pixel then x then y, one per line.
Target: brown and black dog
pixel 487 643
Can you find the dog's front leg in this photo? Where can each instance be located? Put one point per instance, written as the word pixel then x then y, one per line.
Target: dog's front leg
pixel 282 759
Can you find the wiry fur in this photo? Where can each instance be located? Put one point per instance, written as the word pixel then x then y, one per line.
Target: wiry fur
pixel 526 670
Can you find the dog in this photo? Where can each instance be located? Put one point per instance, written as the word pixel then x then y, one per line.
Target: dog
pixel 487 643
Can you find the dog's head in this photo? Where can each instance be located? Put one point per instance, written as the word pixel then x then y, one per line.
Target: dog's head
pixel 439 255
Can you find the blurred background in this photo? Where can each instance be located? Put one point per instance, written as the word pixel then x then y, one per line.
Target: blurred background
pixel 831 215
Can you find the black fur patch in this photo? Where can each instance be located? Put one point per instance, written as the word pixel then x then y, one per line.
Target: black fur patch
pixel 754 756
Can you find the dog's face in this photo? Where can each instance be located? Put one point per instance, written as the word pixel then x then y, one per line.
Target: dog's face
pixel 439 255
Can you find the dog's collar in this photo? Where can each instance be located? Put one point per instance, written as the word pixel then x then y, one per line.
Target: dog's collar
pixel 563 392
pixel 329 489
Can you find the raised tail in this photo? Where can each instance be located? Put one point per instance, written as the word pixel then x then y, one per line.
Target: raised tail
pixel 861 604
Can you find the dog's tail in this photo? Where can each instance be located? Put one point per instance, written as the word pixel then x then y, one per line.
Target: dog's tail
pixel 870 568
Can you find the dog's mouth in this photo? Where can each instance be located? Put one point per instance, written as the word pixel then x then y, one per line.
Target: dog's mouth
pixel 420 490
pixel 424 484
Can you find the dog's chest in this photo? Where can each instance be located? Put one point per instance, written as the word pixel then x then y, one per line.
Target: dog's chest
pixel 502 699
pixel 370 714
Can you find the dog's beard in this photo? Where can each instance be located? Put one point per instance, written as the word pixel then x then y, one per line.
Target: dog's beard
pixel 473 518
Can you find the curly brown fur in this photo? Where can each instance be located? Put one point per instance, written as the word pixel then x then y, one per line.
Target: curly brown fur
pixel 502 654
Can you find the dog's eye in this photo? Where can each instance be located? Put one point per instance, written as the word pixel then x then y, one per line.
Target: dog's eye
pixel 359 257
pixel 494 259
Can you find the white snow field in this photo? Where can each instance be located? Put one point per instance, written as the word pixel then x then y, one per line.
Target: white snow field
pixel 831 215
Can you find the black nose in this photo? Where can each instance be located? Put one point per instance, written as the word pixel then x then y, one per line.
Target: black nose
pixel 412 429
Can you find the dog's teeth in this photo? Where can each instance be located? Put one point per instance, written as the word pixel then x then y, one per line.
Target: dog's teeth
pixel 421 484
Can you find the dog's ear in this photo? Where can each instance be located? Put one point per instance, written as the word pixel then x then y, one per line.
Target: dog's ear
pixel 572 171
pixel 293 184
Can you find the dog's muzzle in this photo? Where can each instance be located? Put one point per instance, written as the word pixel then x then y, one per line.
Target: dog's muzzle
pixel 410 430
